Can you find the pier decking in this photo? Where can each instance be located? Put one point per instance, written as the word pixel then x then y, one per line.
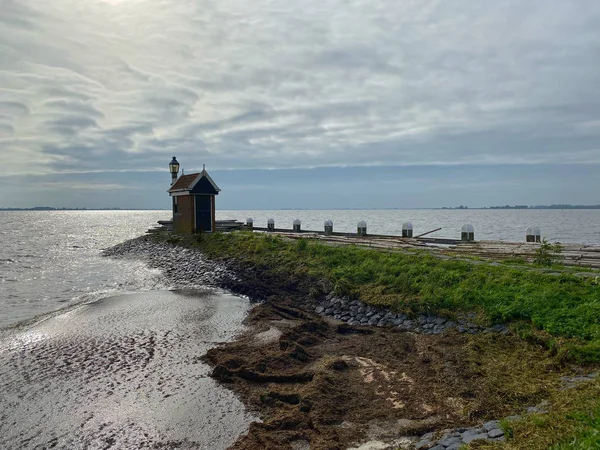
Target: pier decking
pixel 571 255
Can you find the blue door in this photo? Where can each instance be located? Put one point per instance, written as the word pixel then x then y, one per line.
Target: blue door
pixel 203 213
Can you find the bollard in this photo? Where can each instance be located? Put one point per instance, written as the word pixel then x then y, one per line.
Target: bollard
pixel 249 224
pixel 271 225
pixel 468 233
pixel 328 227
pixel 361 228
pixel 296 225
pixel 407 230
pixel 533 234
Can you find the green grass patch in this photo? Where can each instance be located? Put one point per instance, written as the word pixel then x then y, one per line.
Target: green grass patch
pixel 572 423
pixel 565 308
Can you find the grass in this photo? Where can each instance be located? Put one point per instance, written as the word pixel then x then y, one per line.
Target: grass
pixel 572 423
pixel 558 313
pixel 562 312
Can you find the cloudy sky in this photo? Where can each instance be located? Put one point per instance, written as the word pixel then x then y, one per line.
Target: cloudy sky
pixel 301 103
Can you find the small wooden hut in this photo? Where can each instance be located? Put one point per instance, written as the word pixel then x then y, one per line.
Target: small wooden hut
pixel 194 203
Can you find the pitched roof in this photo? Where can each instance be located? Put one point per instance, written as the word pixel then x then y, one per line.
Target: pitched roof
pixel 187 182
pixel 184 182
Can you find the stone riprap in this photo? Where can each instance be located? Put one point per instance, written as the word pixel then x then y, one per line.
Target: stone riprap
pixel 183 268
pixel 455 439
pixel 355 312
pixel 187 268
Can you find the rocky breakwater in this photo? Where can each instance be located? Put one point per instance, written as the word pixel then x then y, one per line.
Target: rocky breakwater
pixel 355 312
pixel 182 267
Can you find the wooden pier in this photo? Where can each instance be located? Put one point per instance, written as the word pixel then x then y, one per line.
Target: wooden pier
pixel 571 255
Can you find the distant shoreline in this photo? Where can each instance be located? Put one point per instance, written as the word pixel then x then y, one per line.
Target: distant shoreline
pixel 444 208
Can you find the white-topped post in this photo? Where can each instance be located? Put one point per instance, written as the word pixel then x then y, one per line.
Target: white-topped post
pixel 250 223
pixel 407 230
pixel 361 228
pixel 533 234
pixel 467 233
pixel 328 227
pixel 271 225
pixel 297 224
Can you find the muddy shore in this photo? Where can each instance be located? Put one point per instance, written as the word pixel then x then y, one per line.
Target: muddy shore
pixel 320 383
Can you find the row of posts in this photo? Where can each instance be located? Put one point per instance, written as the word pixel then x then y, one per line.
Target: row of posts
pixel 467 232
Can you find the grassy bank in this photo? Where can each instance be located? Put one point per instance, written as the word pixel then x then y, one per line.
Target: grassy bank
pixel 560 314
pixel 562 311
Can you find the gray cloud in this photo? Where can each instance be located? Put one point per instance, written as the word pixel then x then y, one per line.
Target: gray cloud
pixel 104 83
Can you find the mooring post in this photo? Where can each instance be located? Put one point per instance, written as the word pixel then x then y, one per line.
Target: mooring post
pixel 328 227
pixel 297 225
pixel 407 230
pixel 249 224
pixel 271 225
pixel 533 234
pixel 361 228
pixel 468 233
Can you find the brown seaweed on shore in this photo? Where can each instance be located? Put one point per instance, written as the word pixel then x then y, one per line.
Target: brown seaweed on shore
pixel 317 382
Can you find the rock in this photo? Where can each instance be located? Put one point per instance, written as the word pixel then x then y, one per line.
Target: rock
pixel 319 309
pixel 450 441
pixel 468 438
pixel 491 425
pixel 455 446
pixel 424 444
pixel 495 433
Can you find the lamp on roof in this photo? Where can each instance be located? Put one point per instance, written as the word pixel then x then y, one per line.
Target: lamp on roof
pixel 174 169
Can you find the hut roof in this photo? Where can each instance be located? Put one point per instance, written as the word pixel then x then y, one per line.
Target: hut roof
pixel 188 182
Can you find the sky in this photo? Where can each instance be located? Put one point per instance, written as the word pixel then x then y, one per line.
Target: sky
pixel 300 103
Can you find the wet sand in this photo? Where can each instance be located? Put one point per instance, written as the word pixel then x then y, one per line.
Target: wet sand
pixel 123 372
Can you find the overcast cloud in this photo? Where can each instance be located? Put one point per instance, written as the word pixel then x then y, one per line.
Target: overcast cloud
pixel 119 86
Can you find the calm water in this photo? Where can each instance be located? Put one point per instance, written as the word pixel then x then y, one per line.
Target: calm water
pixel 49 260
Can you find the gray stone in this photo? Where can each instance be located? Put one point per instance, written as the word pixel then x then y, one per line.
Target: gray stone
pixel 496 432
pixel 440 321
pixel 491 425
pixel 468 438
pixel 319 309
pixel 449 441
pixel 424 444
pixel 455 446
pixel 438 447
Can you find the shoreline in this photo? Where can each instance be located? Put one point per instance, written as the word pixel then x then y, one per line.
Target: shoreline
pixel 122 372
pixel 318 382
